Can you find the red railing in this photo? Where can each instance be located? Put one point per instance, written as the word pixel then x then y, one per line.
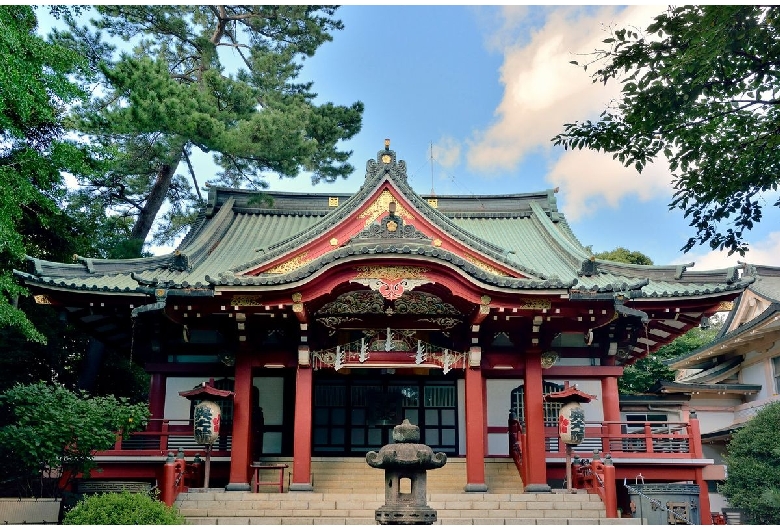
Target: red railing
pixel 597 477
pixel 162 436
pixel 667 440
pixel 517 445
pixel 654 441
pixel 178 476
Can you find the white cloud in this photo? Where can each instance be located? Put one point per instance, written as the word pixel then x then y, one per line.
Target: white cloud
pixel 762 252
pixel 589 180
pixel 543 91
pixel 446 152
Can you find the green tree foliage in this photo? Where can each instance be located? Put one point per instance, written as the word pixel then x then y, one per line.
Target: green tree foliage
pixel 123 508
pixel 47 429
pixel 211 79
pixel 699 86
pixel 643 374
pixel 624 255
pixel 39 217
pixel 34 87
pixel 753 460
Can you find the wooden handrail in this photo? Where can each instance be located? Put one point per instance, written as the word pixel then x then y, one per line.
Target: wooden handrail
pixel 515 443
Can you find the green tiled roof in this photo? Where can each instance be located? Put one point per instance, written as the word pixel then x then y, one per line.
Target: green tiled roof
pixel 524 232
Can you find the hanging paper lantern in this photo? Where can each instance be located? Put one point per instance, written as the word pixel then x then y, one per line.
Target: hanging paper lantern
pixel 571 424
pixel 206 418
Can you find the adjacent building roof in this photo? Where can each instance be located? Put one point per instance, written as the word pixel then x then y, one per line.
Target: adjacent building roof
pixel 239 231
pixel 726 350
pixel 672 387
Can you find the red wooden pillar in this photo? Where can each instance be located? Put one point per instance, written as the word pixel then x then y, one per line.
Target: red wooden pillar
pixel 475 424
pixel 705 516
pixel 534 424
pixel 240 454
pixel 695 447
pixel 301 470
pixel 611 405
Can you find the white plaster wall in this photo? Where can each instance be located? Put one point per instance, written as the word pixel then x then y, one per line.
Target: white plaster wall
pixel 177 407
pixel 594 411
pixel 756 374
pixel 498 395
pixel 714 421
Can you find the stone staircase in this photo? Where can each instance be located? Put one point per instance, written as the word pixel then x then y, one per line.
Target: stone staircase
pixel 218 507
pixel 348 491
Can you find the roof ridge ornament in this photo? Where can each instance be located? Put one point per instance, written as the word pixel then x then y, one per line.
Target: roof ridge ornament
pixel 589 267
pixel 386 164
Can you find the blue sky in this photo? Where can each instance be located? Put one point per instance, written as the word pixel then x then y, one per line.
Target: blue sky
pixel 486 88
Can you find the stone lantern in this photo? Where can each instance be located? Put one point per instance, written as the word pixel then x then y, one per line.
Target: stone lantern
pixel 405 463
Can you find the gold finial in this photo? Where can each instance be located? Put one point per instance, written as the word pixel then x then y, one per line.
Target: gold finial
pixel 387 143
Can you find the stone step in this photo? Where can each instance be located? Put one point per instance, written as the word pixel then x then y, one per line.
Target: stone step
pixel 371 520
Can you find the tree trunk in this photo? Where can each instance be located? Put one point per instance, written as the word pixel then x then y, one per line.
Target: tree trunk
pixel 143 225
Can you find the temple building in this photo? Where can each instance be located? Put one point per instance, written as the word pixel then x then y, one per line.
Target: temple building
pixel 334 317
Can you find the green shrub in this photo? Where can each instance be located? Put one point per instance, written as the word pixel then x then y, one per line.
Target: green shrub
pixel 123 508
pixel 753 458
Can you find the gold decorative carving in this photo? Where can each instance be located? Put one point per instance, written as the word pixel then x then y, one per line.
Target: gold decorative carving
pixel 333 202
pixel 297 297
pixel 245 300
pixel 381 206
pixel 484 305
pixel 534 303
pixel 725 306
pixel 392 226
pixel 437 242
pixel 392 273
pixel 297 308
pixel 368 352
pixel 334 242
pixel 548 359
pixel 484 266
pixel 434 203
pixel 42 299
pixel 290 265
pixel 386 159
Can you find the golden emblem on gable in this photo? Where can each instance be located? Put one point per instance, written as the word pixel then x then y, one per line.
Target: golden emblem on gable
pixel 42 299
pixel 290 265
pixel 381 206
